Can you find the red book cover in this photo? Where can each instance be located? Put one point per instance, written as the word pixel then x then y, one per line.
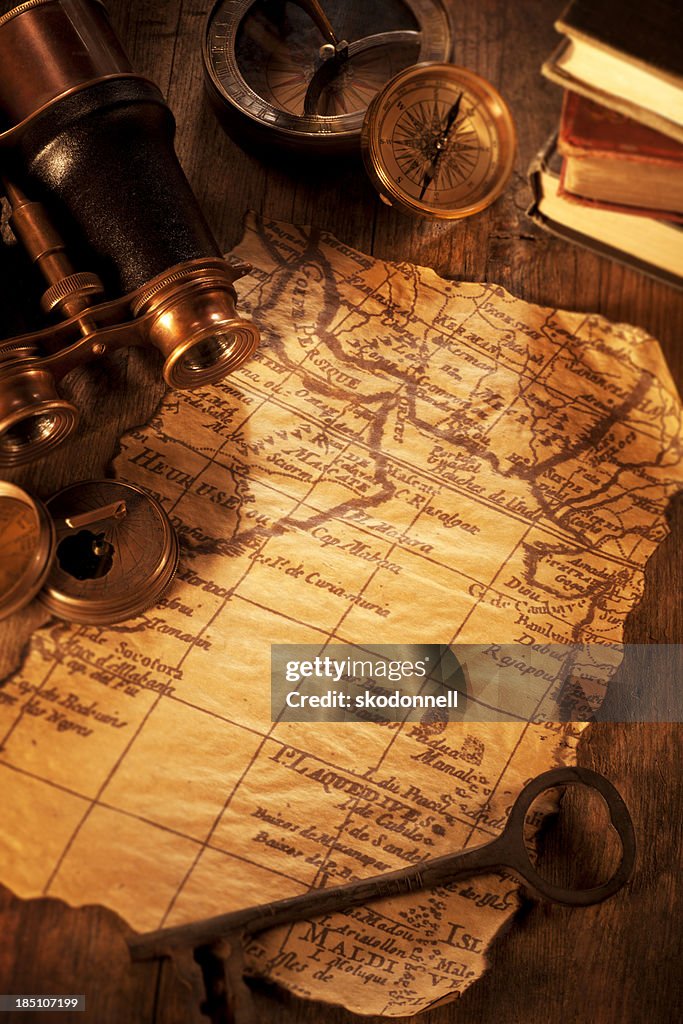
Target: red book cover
pixel 632 154
pixel 588 129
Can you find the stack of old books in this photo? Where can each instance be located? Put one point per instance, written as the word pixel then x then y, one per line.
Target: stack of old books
pixel 612 179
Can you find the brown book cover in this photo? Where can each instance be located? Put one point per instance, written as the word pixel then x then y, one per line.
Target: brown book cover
pixel 589 129
pixel 649 34
pixel 615 163
pixel 626 55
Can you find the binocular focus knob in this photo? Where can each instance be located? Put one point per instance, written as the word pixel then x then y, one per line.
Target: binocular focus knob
pixel 75 292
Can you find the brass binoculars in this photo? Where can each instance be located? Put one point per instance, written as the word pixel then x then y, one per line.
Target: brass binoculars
pixel 87 163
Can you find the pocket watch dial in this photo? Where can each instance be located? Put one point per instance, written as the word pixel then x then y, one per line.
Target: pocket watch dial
pixel 439 141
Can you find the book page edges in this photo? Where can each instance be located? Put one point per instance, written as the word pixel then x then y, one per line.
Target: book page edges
pixel 572 34
pixel 561 77
pixel 547 208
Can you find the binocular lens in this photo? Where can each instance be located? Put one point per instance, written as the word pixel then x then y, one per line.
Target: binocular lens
pixel 192 321
pixel 28 431
pixel 31 436
pixel 212 356
pixel 33 417
pixel 208 352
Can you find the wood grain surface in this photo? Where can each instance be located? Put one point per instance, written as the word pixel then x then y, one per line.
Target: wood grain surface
pixel 618 962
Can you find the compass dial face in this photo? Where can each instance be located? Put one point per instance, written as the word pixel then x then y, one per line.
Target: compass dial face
pixel 439 141
pixel 19 535
pixel 261 57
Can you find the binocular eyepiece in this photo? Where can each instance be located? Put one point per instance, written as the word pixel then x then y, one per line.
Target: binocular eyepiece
pixel 87 164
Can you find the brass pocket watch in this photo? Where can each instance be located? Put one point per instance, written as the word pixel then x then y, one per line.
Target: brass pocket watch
pixel 97 552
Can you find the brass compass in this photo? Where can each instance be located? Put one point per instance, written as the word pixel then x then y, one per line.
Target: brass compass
pixel 303 76
pixel 439 141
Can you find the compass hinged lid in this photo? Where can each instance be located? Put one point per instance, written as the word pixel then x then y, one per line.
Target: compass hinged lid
pixel 27 541
pixel 97 552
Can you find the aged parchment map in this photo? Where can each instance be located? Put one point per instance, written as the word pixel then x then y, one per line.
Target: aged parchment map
pixel 406 460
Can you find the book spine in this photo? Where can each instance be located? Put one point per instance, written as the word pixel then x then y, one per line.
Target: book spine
pixel 540 166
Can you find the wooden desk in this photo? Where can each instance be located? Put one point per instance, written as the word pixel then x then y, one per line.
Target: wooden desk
pixel 608 964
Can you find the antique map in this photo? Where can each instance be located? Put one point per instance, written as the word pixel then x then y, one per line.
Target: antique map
pixel 406 460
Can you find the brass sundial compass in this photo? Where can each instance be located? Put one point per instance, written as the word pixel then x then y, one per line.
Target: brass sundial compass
pixel 300 75
pixel 99 551
pixel 438 140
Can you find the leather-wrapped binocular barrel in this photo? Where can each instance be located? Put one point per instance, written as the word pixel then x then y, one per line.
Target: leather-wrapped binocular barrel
pixel 105 212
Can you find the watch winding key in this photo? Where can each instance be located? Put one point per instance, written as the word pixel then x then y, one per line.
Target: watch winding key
pixel 439 141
